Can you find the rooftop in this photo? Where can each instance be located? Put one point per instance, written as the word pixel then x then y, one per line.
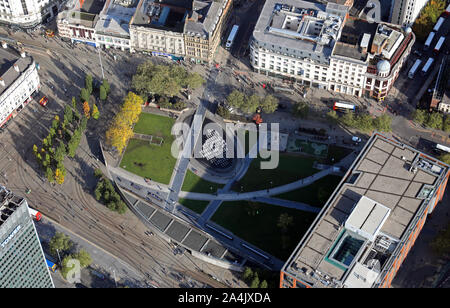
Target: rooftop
pixel 11 68
pixel 8 204
pixel 204 17
pixel 369 213
pixel 115 18
pixel 167 15
pixel 306 29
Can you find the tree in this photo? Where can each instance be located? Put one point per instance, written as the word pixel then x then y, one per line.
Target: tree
pixel 74 103
pixel 223 112
pixel 445 158
pixel 435 120
pixel 49 173
pixel 83 124
pixel 248 274
pixel 95 112
pixel 236 99
pixel 383 123
pixel 88 83
pixel 446 126
pixel 332 117
pixel 300 109
pixel 65 268
pixel 105 85
pixel 59 175
pixel 84 95
pixel 263 284
pixel 102 93
pixel 251 104
pixel 86 110
pixel 255 282
pixel 419 116
pixel 269 104
pixel 68 114
pixel 60 242
pixel 428 17
pixel 60 152
pixel 364 122
pixel 193 80
pixel 84 257
pixel 284 222
pixel 98 173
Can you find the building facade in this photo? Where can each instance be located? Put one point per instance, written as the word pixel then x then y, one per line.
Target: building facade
pixel 364 232
pixel 405 12
pixel 17 83
pixel 28 13
pixel 321 46
pixel 77 26
pixel 22 260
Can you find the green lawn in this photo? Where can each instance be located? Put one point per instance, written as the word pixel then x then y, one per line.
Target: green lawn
pixel 197 206
pixel 148 160
pixel 194 183
pixel 290 168
pixel 257 224
pixel 315 194
pixel 152 124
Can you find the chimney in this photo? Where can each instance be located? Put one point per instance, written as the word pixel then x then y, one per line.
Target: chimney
pixel 16 67
pixel 2 82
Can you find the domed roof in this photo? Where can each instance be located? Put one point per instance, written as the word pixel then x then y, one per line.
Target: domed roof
pixel 383 66
pixel 408 30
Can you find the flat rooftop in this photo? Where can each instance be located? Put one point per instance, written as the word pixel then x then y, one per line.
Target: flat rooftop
pixel 300 28
pixel 165 14
pixel 399 181
pixel 115 18
pixel 8 204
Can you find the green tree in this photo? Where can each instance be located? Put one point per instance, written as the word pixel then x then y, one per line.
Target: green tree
pixel 98 173
pixel 348 119
pixel 255 282
pixel 49 174
pixel 105 85
pixel 383 123
pixel 84 95
pixel 60 152
pixel 332 117
pixel 300 109
pixel 83 124
pixel 446 126
pixel 223 112
pixel 95 112
pixel 435 120
pixel 193 81
pixel 88 83
pixel 263 284
pixel 269 104
pixel 102 93
pixel 420 116
pixel 236 99
pixel 68 114
pixel 445 158
pixel 251 104
pixel 248 274
pixel 60 243
pixel 364 122
pixel 65 268
pixel 84 257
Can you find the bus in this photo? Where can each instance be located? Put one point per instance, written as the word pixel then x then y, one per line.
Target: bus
pixel 414 68
pixel 442 148
pixel 429 40
pixel 232 36
pixel 343 107
pixel 439 44
pixel 438 24
pixel 51 265
pixel 447 11
pixel 34 214
pixel 427 66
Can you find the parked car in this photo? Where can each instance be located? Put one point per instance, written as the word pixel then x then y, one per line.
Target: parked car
pixel 43 101
pixel 356 139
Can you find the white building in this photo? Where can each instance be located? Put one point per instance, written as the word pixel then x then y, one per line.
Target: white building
pixel 112 28
pixel 320 46
pixel 17 83
pixel 28 13
pixel 405 12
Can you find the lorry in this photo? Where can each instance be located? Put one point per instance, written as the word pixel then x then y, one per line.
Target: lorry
pixel 414 68
pixel 429 40
pixel 438 24
pixel 439 44
pixel 427 66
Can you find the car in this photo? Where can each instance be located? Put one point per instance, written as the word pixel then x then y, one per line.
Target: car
pixel 356 139
pixel 43 101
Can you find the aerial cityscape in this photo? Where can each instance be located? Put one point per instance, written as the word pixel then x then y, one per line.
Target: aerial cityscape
pixel 224 144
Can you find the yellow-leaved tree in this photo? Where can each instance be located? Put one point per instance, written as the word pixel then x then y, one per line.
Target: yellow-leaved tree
pixel 59 176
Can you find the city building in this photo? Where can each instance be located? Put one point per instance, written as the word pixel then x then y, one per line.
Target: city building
pixel 322 46
pixel 78 21
pixel 405 12
pixel 18 82
pixel 204 28
pixel 22 261
pixel 28 13
pixel 112 28
pixel 372 219
pixel 157 27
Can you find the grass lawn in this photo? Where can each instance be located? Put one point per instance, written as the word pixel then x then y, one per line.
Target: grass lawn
pixel 197 206
pixel 156 125
pixel 290 168
pixel 260 229
pixel 194 183
pixel 150 161
pixel 315 194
